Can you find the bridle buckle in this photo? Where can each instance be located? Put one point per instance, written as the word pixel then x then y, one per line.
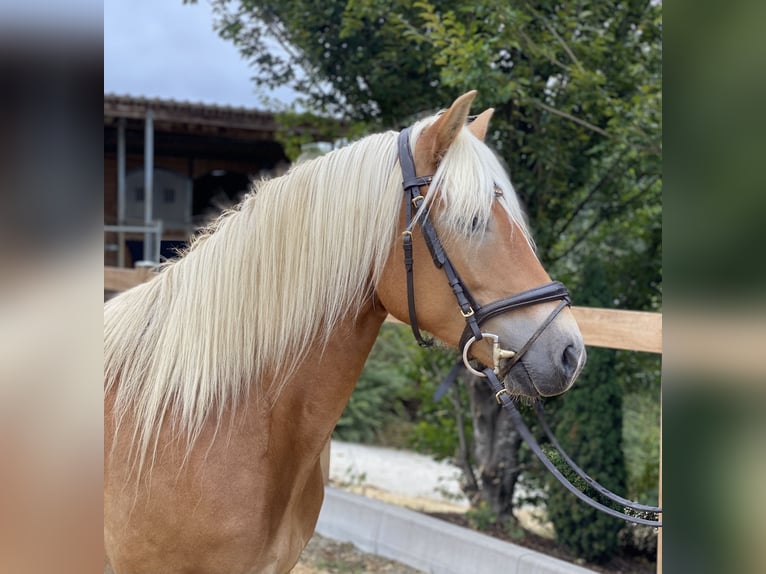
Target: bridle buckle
pixel 498 354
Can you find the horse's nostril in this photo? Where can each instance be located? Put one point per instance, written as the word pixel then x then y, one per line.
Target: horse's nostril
pixel 569 361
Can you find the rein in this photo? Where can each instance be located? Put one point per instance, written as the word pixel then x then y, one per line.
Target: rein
pixel 475 315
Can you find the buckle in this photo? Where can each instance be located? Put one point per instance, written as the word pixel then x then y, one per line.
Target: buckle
pixel 498 354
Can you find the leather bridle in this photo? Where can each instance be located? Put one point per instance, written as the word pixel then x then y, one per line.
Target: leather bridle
pixel 475 314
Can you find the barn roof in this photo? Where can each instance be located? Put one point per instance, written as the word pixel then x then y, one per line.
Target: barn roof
pixel 188 115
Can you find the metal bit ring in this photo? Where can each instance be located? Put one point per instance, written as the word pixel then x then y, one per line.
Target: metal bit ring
pixel 467 347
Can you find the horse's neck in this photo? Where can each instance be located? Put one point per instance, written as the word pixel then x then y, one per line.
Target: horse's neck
pixel 313 400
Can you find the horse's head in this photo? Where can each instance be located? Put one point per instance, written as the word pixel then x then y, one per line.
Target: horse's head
pixel 476 217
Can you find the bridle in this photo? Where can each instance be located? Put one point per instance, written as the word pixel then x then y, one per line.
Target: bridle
pixel 475 314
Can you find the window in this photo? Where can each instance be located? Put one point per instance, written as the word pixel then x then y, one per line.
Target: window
pixel 171 198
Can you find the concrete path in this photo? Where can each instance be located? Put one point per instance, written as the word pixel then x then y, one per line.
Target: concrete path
pixel 425 543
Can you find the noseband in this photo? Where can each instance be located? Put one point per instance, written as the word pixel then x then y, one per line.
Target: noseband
pixel 475 314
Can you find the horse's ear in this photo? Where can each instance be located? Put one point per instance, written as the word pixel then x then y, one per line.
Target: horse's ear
pixel 444 130
pixel 479 125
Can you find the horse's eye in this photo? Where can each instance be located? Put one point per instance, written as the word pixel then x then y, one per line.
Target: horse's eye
pixel 475 227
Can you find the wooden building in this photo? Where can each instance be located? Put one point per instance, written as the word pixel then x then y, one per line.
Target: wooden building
pixel 200 157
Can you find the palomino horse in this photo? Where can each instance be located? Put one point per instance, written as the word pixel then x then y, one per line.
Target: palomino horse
pixel 227 372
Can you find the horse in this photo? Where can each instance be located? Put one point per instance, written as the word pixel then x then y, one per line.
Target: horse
pixel 227 372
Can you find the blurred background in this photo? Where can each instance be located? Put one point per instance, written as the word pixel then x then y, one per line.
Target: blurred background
pixel 223 92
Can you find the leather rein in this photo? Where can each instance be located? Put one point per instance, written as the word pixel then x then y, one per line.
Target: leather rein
pixel 475 314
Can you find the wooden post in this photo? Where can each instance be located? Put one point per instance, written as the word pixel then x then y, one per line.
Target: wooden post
pixel 117 279
pixel 121 191
pixel 659 532
pixel 149 185
pixel 324 462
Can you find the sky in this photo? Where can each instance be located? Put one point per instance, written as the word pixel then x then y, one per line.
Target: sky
pixel 166 49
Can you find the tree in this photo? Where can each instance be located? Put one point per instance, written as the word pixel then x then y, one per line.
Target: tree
pixel 329 51
pixel 577 92
pixel 496 448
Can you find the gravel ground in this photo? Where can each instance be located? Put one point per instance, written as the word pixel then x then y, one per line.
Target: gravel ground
pixel 325 556
pixel 400 472
pixel 412 480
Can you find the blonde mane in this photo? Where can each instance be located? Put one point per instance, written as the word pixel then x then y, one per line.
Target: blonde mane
pixel 466 181
pixel 271 277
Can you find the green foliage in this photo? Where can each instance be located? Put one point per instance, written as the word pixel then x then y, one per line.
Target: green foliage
pixel 382 392
pixel 352 478
pixel 641 444
pixel 481 517
pixel 373 404
pixel 329 51
pixel 435 430
pixel 296 129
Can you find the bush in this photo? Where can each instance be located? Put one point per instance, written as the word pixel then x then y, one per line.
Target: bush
pixel 589 427
pixel 435 429
pixel 381 392
pixel 641 440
